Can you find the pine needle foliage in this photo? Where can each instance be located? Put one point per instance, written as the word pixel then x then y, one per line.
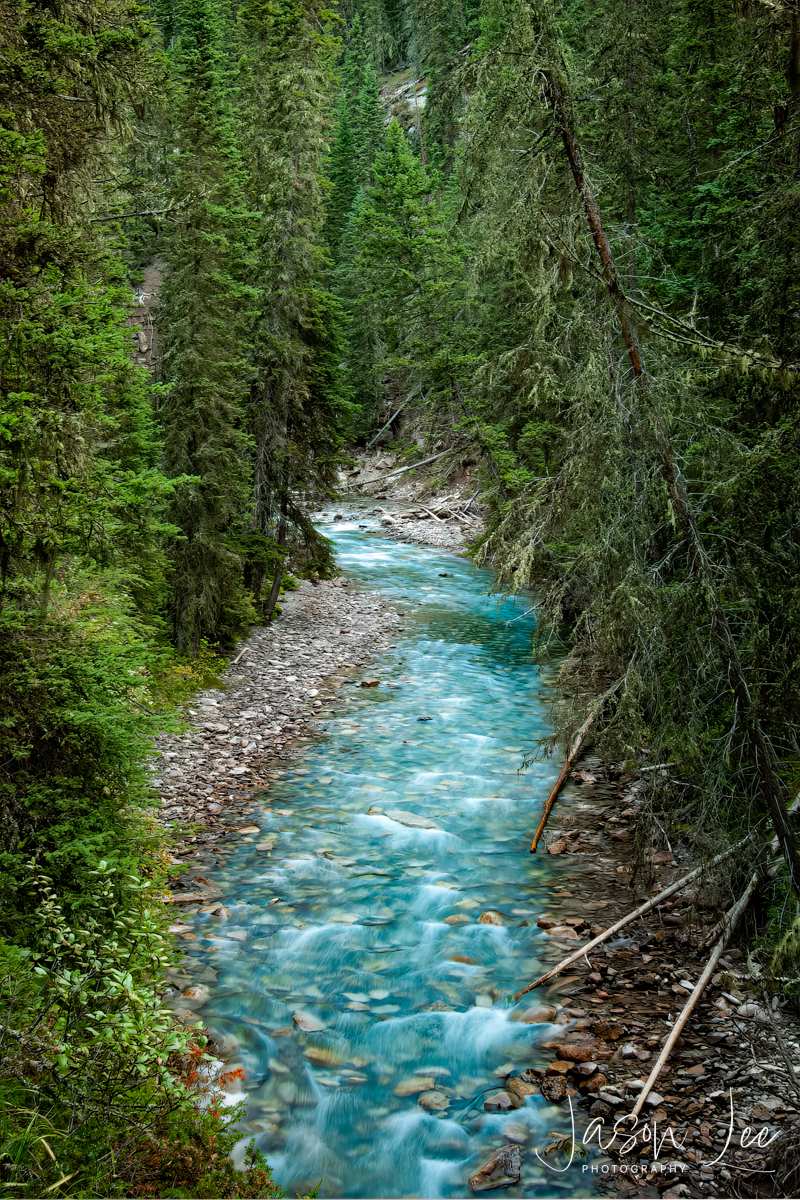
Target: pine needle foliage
pixel 298 406
pixel 583 513
pixel 208 299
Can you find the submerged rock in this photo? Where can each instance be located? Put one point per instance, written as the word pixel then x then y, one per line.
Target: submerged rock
pixel 307 1023
pixel 501 1170
pixel 539 1014
pixel 434 1101
pixel 415 1084
pixel 519 1089
pixel 412 820
pixel 490 917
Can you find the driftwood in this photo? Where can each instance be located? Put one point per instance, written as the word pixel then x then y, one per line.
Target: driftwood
pixel 580 738
pixel 431 514
pixel 731 920
pixel 392 418
pixel 677 886
pixel 421 463
pixel 551 799
pixel 720 929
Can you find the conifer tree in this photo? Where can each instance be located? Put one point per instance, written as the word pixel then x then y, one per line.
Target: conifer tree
pixel 297 402
pixel 358 134
pixel 402 276
pixel 205 322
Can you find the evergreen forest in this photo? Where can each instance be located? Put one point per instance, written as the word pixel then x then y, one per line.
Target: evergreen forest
pixel 565 235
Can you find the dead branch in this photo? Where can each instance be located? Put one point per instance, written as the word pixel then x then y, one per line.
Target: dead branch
pixel 731 921
pixel 580 737
pixel 677 886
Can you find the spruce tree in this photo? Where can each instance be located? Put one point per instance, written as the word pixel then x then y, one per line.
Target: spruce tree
pixel 357 137
pixel 297 404
pixel 401 278
pixel 205 323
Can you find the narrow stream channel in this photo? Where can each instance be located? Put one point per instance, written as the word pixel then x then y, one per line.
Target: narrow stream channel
pixel 367 927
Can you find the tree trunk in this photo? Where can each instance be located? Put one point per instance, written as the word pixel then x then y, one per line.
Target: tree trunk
pixel 762 754
pixel 272 599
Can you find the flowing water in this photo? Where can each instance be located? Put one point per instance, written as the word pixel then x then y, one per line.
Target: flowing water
pixel 367 927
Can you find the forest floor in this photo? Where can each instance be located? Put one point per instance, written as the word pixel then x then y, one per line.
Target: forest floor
pixel 733 1082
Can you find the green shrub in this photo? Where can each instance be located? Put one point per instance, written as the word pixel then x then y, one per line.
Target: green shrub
pixel 75 725
pixel 100 1088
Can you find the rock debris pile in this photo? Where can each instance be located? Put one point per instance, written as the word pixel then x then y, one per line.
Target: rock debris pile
pixel 277 690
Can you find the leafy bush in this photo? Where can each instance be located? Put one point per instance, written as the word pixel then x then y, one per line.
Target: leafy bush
pixel 101 1089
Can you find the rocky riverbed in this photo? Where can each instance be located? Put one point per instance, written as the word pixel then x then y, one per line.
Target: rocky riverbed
pixel 733 1083
pixel 275 694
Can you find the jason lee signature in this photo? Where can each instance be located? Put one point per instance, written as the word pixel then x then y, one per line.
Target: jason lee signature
pixel 625 1136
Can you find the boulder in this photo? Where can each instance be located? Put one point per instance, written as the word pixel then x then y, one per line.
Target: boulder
pixel 610 1031
pixel 499 1102
pixel 559 1067
pixel 518 1089
pixel 490 917
pixel 570 1052
pixel 595 1083
pixel 501 1170
pixel 415 1084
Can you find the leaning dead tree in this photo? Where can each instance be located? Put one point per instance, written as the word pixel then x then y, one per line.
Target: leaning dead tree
pixel 761 751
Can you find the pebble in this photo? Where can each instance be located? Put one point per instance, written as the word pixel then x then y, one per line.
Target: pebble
pixel 264 703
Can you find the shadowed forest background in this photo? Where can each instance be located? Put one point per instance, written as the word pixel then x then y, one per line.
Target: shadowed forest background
pixel 566 235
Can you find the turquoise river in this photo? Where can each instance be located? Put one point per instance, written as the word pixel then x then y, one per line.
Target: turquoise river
pixel 367 929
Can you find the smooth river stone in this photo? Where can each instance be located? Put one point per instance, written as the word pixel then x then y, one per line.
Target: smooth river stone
pixel 501 1170
pixel 419 1083
pixel 404 818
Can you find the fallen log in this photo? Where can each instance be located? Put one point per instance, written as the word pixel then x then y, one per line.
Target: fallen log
pixel 421 463
pixel 731 920
pixel 580 737
pixel 623 921
pixel 431 514
pixel 721 926
pixel 393 418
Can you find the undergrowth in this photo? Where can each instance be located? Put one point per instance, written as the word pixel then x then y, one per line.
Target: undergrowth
pixel 103 1093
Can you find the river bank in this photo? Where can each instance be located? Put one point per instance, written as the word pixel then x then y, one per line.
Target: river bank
pixel 604 1022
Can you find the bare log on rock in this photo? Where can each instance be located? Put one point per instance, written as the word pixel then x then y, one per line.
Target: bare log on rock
pixel 392 418
pixel 731 921
pixel 580 738
pixel 421 463
pixel 623 921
